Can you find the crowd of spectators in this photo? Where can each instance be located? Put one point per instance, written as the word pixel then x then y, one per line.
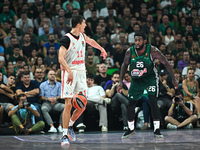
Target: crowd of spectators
pixel 30 31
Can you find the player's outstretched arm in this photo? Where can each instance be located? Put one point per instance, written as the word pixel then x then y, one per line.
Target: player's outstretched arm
pixel 157 54
pixel 95 45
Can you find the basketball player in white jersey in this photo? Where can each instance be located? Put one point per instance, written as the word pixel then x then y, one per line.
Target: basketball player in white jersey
pixel 71 58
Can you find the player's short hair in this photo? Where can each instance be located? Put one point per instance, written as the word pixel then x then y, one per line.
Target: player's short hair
pixel 142 34
pixel 76 19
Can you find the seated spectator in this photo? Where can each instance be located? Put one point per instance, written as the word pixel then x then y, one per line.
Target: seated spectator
pixel 74 3
pixel 61 29
pixel 87 13
pixel 180 113
pixel 119 56
pixel 118 100
pixel 96 97
pixel 39 75
pixel 168 36
pixel 16 54
pixel 56 22
pixel 34 38
pixel 90 65
pixel 51 58
pixel 193 64
pixel 109 61
pixel 28 46
pixel 38 63
pixel 12 33
pixel 51 42
pixel 131 39
pixel 91 52
pixel 25 124
pixel 104 11
pixel 191 91
pixel 42 29
pixel 32 59
pixel 166 92
pixel 103 77
pixel 6 15
pixel 39 21
pixel 185 61
pixel 31 90
pixel 26 68
pixel 7 100
pixel 50 91
pixel 24 22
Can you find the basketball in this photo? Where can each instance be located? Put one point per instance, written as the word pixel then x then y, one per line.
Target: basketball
pixel 79 101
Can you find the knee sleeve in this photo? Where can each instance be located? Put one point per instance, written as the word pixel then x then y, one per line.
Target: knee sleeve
pixel 131 110
pixel 154 107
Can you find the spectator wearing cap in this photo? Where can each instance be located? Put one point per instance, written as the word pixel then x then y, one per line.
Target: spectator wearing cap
pixel 165 95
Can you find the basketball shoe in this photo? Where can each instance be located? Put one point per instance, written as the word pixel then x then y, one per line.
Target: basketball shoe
pixel 128 133
pixel 71 134
pixel 157 134
pixel 65 140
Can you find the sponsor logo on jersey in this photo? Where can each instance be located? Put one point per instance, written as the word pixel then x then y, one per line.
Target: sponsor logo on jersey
pixel 78 62
pixel 137 72
pixel 66 93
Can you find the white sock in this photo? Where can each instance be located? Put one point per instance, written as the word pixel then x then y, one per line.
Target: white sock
pixel 156 125
pixel 131 125
pixel 71 123
pixel 65 131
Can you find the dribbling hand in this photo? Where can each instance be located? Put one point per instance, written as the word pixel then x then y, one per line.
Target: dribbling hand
pixel 103 54
pixel 70 78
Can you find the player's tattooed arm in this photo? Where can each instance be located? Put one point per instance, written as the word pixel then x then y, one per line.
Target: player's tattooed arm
pixel 125 64
pixel 155 53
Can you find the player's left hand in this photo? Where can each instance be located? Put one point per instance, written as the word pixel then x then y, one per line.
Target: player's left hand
pixel 103 54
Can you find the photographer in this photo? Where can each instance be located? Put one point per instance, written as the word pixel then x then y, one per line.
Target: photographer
pixel 180 113
pixel 23 117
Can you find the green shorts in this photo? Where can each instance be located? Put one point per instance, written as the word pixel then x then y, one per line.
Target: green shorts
pixel 138 85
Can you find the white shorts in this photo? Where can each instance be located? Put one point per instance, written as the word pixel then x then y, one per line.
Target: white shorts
pixel 79 83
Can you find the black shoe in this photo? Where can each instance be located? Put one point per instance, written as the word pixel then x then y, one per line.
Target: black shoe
pixel 128 133
pixel 25 131
pixel 157 134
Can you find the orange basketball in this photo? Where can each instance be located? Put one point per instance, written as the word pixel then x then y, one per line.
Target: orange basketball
pixel 79 101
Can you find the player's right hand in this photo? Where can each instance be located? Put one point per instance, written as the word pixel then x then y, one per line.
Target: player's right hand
pixel 70 78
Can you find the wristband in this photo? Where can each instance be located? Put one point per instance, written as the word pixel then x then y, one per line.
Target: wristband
pixel 167 87
pixel 173 105
pixel 46 98
pixel 193 96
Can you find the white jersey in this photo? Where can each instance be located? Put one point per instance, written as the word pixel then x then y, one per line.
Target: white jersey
pixel 75 56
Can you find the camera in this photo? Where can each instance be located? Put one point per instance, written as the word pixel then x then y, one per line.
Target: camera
pixel 26 104
pixel 177 99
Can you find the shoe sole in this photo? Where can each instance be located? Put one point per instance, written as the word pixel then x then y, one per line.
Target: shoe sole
pixel 158 136
pixel 71 138
pixel 128 136
pixel 65 144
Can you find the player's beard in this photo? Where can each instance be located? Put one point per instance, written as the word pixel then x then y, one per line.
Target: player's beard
pixel 140 48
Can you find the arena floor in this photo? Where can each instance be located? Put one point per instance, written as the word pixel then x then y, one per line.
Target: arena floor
pixel 142 140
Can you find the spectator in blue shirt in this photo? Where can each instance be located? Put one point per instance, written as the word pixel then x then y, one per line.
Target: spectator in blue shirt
pixel 50 91
pixel 47 45
pixel 31 90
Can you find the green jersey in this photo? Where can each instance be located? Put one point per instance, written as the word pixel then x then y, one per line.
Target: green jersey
pixel 142 66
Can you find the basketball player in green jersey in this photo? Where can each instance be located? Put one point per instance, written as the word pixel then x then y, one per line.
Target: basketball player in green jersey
pixel 144 75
